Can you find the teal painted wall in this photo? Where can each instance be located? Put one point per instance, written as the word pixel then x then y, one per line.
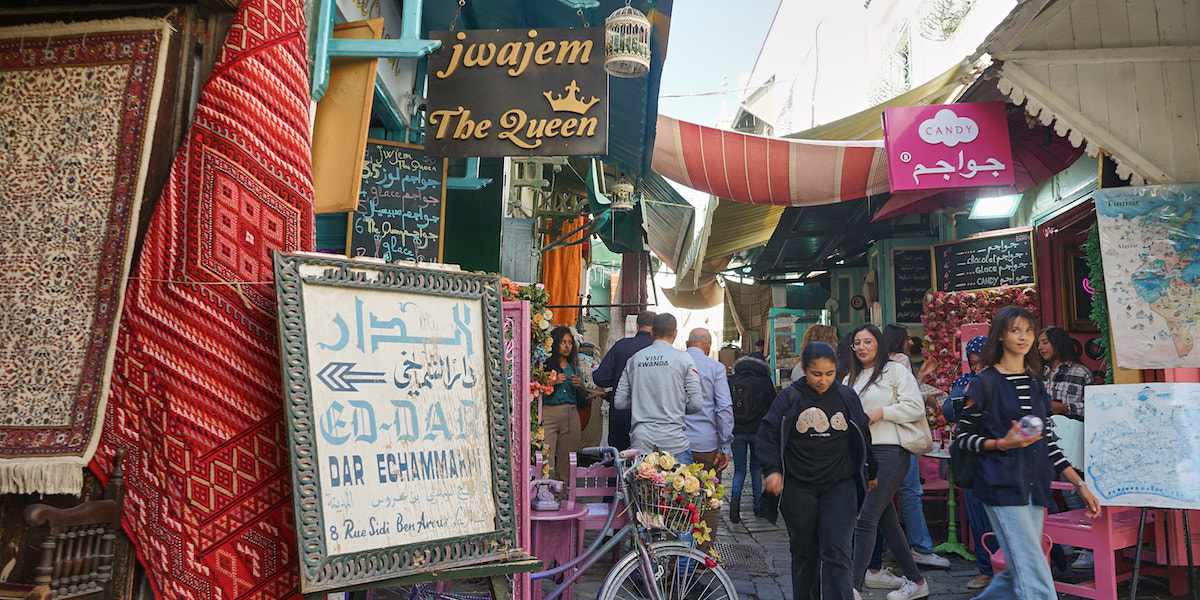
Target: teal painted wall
pixel 473 221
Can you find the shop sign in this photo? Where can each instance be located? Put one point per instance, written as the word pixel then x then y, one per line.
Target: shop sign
pixel 397 416
pixel 947 146
pixel 517 92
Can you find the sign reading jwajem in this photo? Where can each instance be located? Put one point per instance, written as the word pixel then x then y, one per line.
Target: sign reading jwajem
pixel 518 92
pixel 947 146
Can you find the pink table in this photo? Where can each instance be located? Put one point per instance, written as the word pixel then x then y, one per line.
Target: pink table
pixel 556 538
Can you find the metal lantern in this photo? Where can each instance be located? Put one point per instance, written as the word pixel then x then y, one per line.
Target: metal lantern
pixel 622 199
pixel 627 43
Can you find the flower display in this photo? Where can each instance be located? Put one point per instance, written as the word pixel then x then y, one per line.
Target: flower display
pixel 674 495
pixel 946 312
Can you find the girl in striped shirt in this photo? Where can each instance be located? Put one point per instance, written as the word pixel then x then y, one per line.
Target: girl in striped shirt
pixel 1013 473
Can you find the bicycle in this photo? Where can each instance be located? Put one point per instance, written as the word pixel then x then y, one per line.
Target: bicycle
pixel 656 569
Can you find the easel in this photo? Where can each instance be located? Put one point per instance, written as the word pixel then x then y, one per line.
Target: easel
pixel 1137 555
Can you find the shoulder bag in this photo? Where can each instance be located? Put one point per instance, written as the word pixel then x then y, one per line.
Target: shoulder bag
pixel 914 436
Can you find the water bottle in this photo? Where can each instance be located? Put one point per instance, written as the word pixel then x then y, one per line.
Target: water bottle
pixel 1029 426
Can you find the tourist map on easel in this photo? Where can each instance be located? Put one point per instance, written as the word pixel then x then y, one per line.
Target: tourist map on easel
pixel 1142 446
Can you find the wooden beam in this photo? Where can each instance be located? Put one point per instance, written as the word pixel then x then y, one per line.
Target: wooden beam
pixel 1038 93
pixel 1103 55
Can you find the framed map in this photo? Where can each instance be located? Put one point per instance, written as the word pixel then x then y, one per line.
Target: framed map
pixel 1149 239
pixel 1141 444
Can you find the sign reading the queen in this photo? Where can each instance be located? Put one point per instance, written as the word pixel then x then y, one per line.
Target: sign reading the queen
pixel 947 146
pixel 517 92
pixel 398 415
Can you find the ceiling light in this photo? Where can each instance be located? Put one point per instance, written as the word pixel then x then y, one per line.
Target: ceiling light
pixel 999 207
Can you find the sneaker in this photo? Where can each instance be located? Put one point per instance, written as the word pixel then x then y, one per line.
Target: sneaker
pixel 979 582
pixel 910 591
pixel 1085 560
pixel 883 580
pixel 931 560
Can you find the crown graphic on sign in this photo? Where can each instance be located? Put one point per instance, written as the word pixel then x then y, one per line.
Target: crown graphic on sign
pixel 569 103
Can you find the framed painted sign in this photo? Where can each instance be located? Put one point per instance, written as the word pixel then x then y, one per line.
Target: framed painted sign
pixel 398 414
pixel 547 93
pixel 947 146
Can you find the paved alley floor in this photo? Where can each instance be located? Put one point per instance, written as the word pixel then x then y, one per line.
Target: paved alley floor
pixel 756 557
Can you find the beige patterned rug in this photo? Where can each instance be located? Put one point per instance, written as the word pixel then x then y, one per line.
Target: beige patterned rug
pixel 77 110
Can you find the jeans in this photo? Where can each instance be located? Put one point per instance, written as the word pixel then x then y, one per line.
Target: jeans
pixel 819 529
pixel 980 525
pixel 913 515
pixel 877 513
pixel 743 447
pixel 1019 529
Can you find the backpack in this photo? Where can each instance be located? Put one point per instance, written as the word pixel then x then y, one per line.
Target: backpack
pixel 963 463
pixel 747 401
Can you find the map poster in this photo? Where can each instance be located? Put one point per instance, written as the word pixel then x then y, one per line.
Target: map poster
pixel 1141 444
pixel 398 413
pixel 1149 239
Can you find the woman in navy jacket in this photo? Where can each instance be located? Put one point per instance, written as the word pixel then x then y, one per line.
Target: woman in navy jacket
pixel 1014 471
pixel 814 447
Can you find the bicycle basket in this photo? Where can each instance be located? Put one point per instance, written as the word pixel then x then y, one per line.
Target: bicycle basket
pixel 658 507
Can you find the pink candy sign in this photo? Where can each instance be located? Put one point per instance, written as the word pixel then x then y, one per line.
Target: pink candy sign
pixel 947 146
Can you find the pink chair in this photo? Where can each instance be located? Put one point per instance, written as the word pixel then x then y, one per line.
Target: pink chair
pixel 590 486
pixel 997 557
pixel 1115 529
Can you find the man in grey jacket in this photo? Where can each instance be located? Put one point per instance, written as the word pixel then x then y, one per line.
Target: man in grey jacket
pixel 661 385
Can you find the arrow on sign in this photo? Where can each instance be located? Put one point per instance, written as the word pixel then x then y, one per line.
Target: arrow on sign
pixel 341 377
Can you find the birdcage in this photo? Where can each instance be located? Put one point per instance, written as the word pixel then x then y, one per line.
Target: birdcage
pixel 622 198
pixel 627 43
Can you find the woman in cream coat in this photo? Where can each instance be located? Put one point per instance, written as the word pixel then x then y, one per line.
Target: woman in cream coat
pixel 889 396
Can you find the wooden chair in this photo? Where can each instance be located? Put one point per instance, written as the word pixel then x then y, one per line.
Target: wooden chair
pixel 590 486
pixel 1115 529
pixel 79 550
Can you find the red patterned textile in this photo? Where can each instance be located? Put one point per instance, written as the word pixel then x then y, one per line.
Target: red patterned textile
pixel 196 399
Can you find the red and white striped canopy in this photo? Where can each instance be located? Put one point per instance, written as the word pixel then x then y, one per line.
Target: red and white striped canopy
pixel 762 170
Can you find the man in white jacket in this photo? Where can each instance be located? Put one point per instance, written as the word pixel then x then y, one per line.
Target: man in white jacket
pixel 660 384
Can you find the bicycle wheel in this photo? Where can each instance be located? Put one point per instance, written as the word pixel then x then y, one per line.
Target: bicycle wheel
pixel 680 573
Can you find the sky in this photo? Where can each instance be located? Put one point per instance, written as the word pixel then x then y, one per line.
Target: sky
pixel 710 38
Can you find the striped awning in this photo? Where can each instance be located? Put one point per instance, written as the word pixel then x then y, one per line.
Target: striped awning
pixel 768 171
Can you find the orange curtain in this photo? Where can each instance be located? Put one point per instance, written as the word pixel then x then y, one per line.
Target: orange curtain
pixel 561 272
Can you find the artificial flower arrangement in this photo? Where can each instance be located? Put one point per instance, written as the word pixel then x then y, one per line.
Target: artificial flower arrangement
pixel 946 312
pixel 677 492
pixel 541 322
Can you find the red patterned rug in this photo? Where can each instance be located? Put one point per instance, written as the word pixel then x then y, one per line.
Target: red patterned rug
pixel 196 399
pixel 77 110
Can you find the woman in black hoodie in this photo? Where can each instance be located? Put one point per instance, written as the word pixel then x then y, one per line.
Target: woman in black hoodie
pixel 814 446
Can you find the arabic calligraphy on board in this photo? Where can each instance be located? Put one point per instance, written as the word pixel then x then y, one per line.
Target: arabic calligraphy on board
pixel 963 143
pixel 912 276
pixel 400 205
pixel 984 262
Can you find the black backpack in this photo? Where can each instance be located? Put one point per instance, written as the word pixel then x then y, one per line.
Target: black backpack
pixel 963 463
pixel 747 401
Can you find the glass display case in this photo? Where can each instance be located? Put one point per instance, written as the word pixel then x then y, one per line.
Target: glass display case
pixel 786 328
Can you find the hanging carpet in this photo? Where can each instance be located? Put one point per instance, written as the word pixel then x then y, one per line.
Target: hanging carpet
pixel 77 110
pixel 196 395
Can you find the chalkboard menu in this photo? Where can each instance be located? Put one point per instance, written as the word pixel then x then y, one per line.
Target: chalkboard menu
pixel 912 276
pixel 400 205
pixel 984 262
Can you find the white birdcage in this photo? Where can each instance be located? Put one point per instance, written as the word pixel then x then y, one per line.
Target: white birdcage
pixel 622 198
pixel 627 43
